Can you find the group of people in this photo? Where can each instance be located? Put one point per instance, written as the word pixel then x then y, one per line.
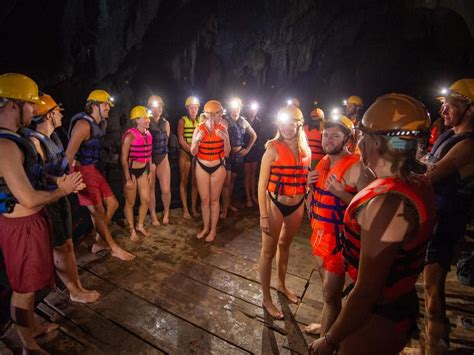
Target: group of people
pixel 362 179
pixel 382 212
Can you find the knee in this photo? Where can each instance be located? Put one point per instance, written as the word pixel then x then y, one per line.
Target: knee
pixel 284 244
pixel 268 254
pixel 145 200
pixel 112 203
pixel 205 200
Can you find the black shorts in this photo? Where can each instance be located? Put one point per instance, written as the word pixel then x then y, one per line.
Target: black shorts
pixel 449 230
pixel 59 213
pixel 254 155
pixel 234 163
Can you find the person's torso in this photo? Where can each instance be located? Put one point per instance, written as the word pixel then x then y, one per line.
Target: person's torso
pixel 140 147
pixel 160 136
pixel 189 127
pixel 313 134
pixel 236 131
pixel 211 147
pixel 89 150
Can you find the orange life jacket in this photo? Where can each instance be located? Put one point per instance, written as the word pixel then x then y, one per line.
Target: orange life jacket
pixel 288 176
pixel 327 210
pixel 410 259
pixel 212 146
pixel 314 141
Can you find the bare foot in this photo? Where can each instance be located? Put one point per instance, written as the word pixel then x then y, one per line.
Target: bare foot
pixel 98 246
pixel 133 235
pixel 202 233
pixel 186 214
pixel 85 297
pixel 210 237
pixel 44 328
pixel 141 228
pixel 195 213
pixel 249 204
pixel 36 350
pixel 223 214
pixel 154 221
pixel 166 219
pixel 291 295
pixel 122 254
pixel 313 329
pixel 272 310
pixel 232 208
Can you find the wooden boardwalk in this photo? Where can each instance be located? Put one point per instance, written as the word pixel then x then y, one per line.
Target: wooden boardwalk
pixel 183 296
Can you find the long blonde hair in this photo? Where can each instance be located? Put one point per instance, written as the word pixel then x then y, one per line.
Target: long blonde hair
pixel 301 139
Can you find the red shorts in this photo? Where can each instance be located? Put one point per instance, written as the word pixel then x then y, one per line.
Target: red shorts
pixel 323 245
pixel 27 249
pixel 97 188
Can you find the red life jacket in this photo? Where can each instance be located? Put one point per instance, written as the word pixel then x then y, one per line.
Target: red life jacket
pixel 327 210
pixel 288 176
pixel 314 141
pixel 410 259
pixel 141 147
pixel 212 146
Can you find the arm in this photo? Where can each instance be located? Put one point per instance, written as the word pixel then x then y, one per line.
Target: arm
pixel 225 137
pixel 15 177
pixel 79 134
pixel 385 224
pixel 168 131
pixel 253 138
pixel 456 160
pixel 125 150
pixel 269 156
pixel 198 135
pixel 181 140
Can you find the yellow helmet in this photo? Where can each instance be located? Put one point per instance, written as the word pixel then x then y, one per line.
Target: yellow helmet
pixel 356 100
pixel 462 89
pixel 47 105
pixel 396 115
pixel 101 96
pixel 155 101
pixel 191 100
pixel 213 106
pixel 341 120
pixel 317 113
pixel 139 112
pixel 294 102
pixel 289 113
pixel 235 102
pixel 19 87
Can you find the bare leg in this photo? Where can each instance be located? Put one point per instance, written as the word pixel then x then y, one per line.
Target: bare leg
pixel 154 219
pixel 216 183
pixel 194 191
pixel 144 192
pixel 231 190
pixel 163 173
pixel 111 205
pixel 247 183
pixel 253 183
pixel 130 194
pixel 66 267
pixel 267 253
pixel 289 228
pixel 184 168
pixel 99 217
pixel 203 184
pixel 225 195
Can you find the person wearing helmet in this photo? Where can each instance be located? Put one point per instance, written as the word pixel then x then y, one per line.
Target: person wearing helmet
pixel 313 135
pixel 281 193
pixel 353 107
pixel 338 176
pixel 210 145
pixel 237 127
pixel 24 226
pixel 387 226
pixel 137 144
pixel 86 132
pixel 47 118
pixel 186 126
pixel 160 166
pixel 294 102
pixel 451 163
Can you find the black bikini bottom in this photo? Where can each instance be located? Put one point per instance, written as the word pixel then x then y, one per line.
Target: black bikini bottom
pixel 138 171
pixel 285 209
pixel 209 169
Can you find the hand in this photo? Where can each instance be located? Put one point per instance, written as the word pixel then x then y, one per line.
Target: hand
pixel 334 186
pixel 222 133
pixel 264 225
pixel 70 183
pixel 320 347
pixel 313 177
pixel 199 136
pixel 129 184
pixel 243 152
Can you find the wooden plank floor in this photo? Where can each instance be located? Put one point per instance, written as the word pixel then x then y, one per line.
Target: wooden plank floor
pixel 185 296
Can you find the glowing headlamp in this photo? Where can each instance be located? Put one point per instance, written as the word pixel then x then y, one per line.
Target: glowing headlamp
pixel 254 106
pixel 155 103
pixel 334 111
pixel 289 102
pixel 112 99
pixel 283 118
pixel 444 91
pixel 234 104
pixel 344 102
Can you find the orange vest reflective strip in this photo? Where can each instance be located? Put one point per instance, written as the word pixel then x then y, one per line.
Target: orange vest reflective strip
pixel 409 261
pixel 212 146
pixel 288 176
pixel 327 210
pixel 314 142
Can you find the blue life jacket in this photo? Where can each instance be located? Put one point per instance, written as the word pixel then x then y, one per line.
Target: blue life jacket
pixel 89 151
pixel 236 131
pixel 56 164
pixel 160 138
pixel 33 165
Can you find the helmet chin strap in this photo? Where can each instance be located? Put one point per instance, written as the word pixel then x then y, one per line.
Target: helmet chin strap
pixel 346 139
pixel 463 115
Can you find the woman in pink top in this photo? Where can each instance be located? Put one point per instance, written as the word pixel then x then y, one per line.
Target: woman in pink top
pixel 135 158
